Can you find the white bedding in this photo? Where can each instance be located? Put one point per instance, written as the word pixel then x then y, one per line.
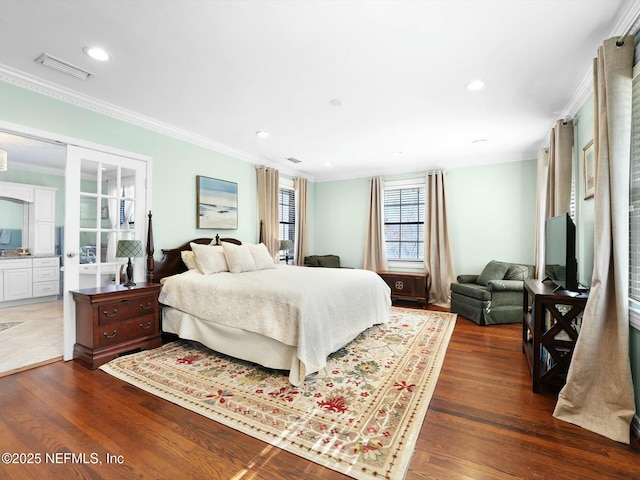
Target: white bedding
pixel 315 310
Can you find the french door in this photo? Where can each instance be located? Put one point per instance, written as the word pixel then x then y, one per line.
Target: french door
pixel 105 201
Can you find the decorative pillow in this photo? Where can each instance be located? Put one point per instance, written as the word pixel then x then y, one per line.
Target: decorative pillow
pixel 189 259
pixel 210 259
pixel 493 271
pixel 261 256
pixel 239 258
pixel 517 272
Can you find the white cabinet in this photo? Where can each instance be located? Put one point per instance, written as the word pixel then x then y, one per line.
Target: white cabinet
pixel 46 276
pixel 23 278
pixel 44 204
pixel 41 219
pixel 17 276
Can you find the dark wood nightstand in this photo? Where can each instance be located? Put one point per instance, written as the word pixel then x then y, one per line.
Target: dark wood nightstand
pixel 407 286
pixel 113 320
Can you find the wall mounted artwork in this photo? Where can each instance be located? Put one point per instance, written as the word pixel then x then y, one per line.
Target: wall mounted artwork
pixel 217 202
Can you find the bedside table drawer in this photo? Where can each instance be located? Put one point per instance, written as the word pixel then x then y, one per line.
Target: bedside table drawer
pixel 125 309
pixel 117 333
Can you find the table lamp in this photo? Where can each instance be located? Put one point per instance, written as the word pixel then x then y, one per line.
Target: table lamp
pixel 286 246
pixel 129 249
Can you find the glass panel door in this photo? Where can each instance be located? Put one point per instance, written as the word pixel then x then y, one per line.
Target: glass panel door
pixel 105 202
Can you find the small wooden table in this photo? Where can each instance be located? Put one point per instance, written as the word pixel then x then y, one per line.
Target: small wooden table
pixel 115 319
pixel 407 286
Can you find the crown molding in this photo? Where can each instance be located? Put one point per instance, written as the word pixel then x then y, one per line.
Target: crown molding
pixel 628 22
pixel 29 82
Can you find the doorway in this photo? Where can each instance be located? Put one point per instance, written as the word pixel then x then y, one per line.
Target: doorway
pixel 87 177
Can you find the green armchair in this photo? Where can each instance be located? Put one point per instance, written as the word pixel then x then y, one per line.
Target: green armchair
pixel 330 261
pixel 493 297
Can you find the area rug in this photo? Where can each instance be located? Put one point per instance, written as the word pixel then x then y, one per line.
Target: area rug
pixel 361 416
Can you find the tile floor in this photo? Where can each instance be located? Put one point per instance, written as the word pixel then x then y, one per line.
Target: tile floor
pixel 30 335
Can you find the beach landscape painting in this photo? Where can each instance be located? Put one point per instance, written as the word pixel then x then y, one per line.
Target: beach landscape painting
pixel 217 203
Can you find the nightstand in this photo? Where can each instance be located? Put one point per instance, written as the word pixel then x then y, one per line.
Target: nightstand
pixel 113 320
pixel 407 286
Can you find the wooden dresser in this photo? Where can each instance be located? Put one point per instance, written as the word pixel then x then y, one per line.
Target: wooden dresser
pixel 113 320
pixel 407 286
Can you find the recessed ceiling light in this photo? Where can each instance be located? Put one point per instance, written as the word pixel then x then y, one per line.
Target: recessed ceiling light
pixel 397 154
pixel 328 164
pixel 262 134
pixel 97 53
pixel 475 85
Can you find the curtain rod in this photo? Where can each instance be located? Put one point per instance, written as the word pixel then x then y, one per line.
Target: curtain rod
pixel 631 29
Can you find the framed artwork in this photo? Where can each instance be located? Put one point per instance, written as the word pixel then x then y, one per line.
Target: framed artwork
pixel 217 203
pixel 589 170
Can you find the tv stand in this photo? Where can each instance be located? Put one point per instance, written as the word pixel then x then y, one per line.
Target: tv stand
pixel 550 327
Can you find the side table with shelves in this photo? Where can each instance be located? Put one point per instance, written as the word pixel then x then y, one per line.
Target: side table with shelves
pixel 550 328
pixel 115 319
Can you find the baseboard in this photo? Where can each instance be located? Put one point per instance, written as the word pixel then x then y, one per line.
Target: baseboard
pixel 635 432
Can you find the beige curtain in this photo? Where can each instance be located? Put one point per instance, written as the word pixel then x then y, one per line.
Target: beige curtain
pixel 560 168
pixel 302 228
pixel 375 254
pixel 598 394
pixel 268 186
pixel 541 208
pixel 438 253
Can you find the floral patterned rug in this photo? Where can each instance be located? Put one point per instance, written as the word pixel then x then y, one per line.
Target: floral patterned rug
pixel 361 416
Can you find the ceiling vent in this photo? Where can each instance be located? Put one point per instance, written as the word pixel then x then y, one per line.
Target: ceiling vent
pixel 294 160
pixel 64 67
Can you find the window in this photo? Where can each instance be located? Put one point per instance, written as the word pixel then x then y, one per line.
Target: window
pixel 404 221
pixel 287 216
pixel 634 194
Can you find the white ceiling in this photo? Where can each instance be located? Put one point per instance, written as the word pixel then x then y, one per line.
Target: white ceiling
pixel 215 72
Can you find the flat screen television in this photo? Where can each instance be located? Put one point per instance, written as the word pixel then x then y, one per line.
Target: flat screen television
pixel 561 266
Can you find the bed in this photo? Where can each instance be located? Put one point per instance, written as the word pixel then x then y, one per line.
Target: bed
pixel 280 316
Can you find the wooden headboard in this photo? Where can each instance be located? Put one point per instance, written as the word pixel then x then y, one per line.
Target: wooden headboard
pixel 171 262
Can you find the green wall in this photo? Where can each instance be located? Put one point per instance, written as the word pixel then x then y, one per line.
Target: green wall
pixel 175 163
pixel 583 134
pixel 340 218
pixel 491 213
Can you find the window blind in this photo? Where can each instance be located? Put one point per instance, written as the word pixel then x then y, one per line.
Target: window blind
pixel 287 216
pixel 404 223
pixel 634 195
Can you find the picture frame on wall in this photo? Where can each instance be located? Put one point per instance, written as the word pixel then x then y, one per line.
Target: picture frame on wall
pixel 217 203
pixel 589 170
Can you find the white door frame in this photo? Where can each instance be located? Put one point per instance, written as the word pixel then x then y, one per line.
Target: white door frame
pixel 66 140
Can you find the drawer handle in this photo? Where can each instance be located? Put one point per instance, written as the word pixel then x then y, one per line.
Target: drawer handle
pixel 147 327
pixel 147 307
pixel 115 311
pixel 115 332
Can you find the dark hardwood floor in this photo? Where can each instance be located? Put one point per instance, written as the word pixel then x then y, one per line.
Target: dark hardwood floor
pixel 483 423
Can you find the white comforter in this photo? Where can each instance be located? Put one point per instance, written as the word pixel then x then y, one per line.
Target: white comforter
pixel 317 310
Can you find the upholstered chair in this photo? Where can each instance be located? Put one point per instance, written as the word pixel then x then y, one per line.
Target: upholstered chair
pixel 495 296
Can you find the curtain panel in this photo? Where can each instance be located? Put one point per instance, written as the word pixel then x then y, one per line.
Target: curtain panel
pixel 268 187
pixel 560 169
pixel 375 254
pixel 438 252
pixel 302 228
pixel 542 177
pixel 598 394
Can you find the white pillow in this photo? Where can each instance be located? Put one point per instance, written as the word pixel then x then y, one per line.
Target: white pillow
pixel 189 259
pixel 261 256
pixel 210 258
pixel 239 258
